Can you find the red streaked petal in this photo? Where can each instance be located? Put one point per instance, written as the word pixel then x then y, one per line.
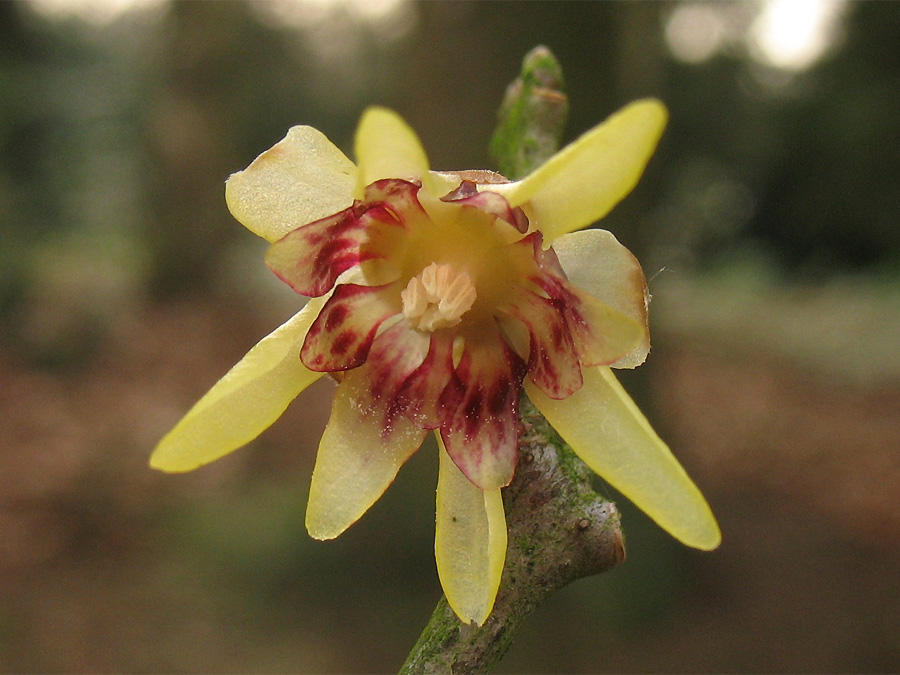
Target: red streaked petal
pixel 312 257
pixel 597 264
pixel 432 393
pixel 466 188
pixel 481 435
pixel 553 363
pixel 490 202
pixel 394 192
pixel 395 354
pixel 342 334
pixel 602 334
pixel 547 259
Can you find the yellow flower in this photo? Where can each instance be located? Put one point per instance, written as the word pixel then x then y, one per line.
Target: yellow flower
pixel 435 298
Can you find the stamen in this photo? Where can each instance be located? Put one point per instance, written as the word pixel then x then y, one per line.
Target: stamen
pixel 438 297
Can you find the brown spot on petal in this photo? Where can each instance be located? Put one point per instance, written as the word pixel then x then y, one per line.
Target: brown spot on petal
pixel 335 317
pixel 342 342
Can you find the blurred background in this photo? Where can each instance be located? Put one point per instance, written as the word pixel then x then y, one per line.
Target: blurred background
pixel 767 224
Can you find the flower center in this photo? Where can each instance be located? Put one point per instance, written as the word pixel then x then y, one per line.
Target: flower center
pixel 437 297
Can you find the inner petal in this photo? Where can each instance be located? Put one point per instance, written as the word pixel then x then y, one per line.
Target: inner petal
pixel 553 362
pixel 342 334
pixel 395 355
pixel 431 393
pixel 481 433
pixel 311 258
pixel 602 334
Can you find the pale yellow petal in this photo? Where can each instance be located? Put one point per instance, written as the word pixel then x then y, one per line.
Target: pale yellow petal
pixel 470 542
pixel 302 178
pixel 387 147
pixel 441 184
pixel 606 429
pixel 585 180
pixel 355 463
pixel 245 402
pixel 595 262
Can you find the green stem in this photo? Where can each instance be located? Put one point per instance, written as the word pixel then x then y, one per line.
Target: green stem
pixel 560 530
pixel 532 117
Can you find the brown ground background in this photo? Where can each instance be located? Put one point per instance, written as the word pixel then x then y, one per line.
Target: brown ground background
pixel 110 567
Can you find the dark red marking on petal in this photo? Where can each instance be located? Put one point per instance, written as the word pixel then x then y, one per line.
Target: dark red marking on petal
pixel 532 245
pixel 336 316
pixel 396 353
pixel 489 202
pixel 549 262
pixel 598 337
pixel 312 257
pixel 343 342
pixel 398 197
pixel 431 393
pixel 553 363
pixel 481 435
pixel 551 278
pixel 601 334
pixel 466 188
pixel 342 334
pixel 498 398
pixel 390 189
